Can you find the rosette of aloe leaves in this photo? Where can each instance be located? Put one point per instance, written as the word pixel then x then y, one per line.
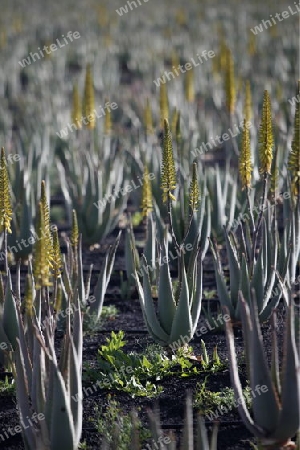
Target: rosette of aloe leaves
pixel 179 303
pixel 252 250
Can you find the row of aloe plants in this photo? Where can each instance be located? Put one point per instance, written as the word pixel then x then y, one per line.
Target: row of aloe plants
pixel 253 276
pixel 179 316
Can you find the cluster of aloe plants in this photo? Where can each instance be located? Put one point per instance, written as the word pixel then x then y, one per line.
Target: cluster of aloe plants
pixel 243 210
pixel 46 386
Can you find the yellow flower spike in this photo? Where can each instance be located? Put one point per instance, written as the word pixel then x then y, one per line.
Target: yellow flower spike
pixel 294 156
pixel 273 31
pixel 245 164
pixel 17 24
pixel 41 264
pixel 5 201
pixel 180 17
pixel 148 121
pixel 194 190
pixel 216 66
pixel 57 260
pixel 28 296
pixel 168 165
pixel 89 99
pixel 147 205
pixel 175 61
pixel 108 40
pixel 248 102
pixel 251 44
pixel 107 120
pixel 48 55
pixel 189 86
pixel 163 103
pixel 76 108
pixel 75 230
pixel 230 83
pixel 103 18
pixel 46 213
pixel 266 139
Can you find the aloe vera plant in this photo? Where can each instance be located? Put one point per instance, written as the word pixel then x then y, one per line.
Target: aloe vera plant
pixel 132 261
pixel 291 247
pixel 179 306
pixel 73 277
pixel 45 387
pixel 6 350
pixel 247 274
pixel 275 417
pixel 33 166
pixel 191 215
pixel 226 202
pixel 97 190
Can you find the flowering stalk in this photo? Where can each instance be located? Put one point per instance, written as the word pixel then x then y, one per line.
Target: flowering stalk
pixel 57 262
pixel 41 263
pixel 294 156
pixel 168 178
pixel 230 83
pixel 5 204
pixel 266 139
pixel 89 99
pixel 266 144
pixel 107 121
pixel 245 166
pixel 194 190
pixel 75 241
pixel 76 108
pixel 147 205
pixel 189 86
pixel 230 91
pixel 46 215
